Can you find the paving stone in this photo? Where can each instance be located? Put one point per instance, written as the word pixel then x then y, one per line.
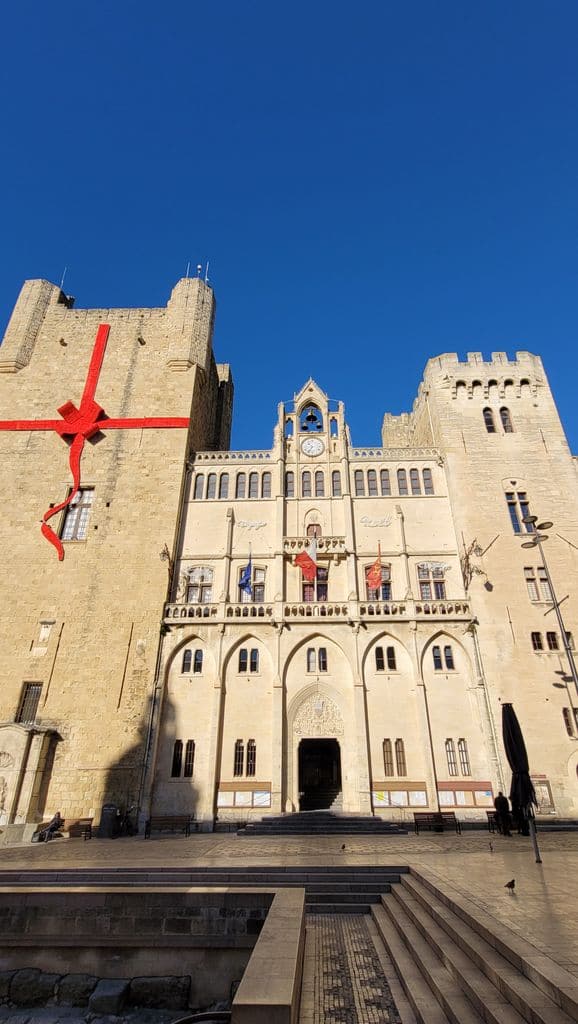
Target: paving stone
pixel 31 987
pixel 109 996
pixel 75 989
pixel 160 993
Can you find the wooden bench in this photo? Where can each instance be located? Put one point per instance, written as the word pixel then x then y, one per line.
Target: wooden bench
pixel 436 821
pixel 170 823
pixel 77 827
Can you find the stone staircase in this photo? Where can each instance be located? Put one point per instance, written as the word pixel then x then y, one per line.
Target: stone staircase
pixel 458 964
pixel 330 799
pixel 322 823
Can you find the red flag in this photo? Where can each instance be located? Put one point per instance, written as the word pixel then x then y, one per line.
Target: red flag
pixel 373 576
pixel 307 560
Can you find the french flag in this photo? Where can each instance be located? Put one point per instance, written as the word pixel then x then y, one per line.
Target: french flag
pixel 307 560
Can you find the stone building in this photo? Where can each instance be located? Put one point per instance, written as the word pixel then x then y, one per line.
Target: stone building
pixel 331 626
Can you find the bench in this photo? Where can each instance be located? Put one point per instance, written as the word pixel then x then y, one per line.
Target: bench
pixel 77 827
pixel 492 821
pixel 436 821
pixel 170 823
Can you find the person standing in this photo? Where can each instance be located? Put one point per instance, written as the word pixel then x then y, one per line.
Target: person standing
pixel 503 814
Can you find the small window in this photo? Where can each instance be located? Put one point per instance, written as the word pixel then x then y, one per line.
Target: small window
pixel 311 659
pixel 251 757
pixel 359 483
pixel 187 661
pixel 387 758
pixel 379 660
pixel 198 662
pixel 319 484
pixel 451 757
pixel 243 659
pixel 336 483
pixel 333 428
pixel 537 644
pixel 519 509
pixel 400 758
pixel 506 420
pixel 531 583
pixel 29 701
pixel 372 483
pixel 254 660
pixel 384 591
pixel 428 487
pixel 391 663
pixel 212 485
pixel 289 485
pixel 252 579
pixel 177 760
pixel 385 483
pixel 200 585
pixel 570 641
pixel 489 421
pixel 552 641
pixel 189 759
pixel 415 481
pixel 402 481
pixel 224 485
pixel 323 659
pixel 240 485
pixel 239 758
pixel 449 658
pixel 306 484
pixel 266 485
pixel 464 757
pixel 431 582
pixel 253 485
pixel 199 486
pixel 75 525
pixel 437 658
pixel 316 590
pixel 314 530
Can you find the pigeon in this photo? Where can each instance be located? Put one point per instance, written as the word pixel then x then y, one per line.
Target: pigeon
pixel 343 846
pixel 491 848
pixel 510 885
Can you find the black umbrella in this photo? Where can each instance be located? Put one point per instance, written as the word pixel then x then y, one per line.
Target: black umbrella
pixel 522 792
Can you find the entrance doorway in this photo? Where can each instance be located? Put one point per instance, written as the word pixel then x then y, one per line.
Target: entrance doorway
pixel 319 775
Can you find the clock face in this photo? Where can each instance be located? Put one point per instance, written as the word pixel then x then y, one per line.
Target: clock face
pixel 312 446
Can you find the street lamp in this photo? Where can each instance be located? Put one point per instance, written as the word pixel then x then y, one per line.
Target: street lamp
pixel 536 542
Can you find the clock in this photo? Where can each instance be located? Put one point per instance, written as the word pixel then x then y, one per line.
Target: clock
pixel 312 446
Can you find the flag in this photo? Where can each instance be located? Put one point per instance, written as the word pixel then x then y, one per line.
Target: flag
pixel 307 560
pixel 373 576
pixel 246 576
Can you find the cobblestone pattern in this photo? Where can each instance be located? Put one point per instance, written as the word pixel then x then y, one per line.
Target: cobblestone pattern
pixel 343 980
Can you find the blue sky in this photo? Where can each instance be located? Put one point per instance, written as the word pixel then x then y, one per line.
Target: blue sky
pixel 372 184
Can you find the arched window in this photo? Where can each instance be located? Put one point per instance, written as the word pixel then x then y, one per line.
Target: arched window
pixel 359 483
pixel 414 480
pixel 464 757
pixel 428 486
pixel 289 485
pixel 322 659
pixel 333 428
pixel 306 484
pixel 239 758
pixel 400 758
pixel 189 759
pixel 314 530
pixel 266 485
pixel 319 484
pixel 253 485
pixel 288 428
pixel 199 485
pixel 212 485
pixel 379 662
pixel 311 419
pixel 387 758
pixel 187 661
pixel 254 660
pixel 489 421
pixel 449 657
pixel 251 757
pixel 198 662
pixel 402 481
pixel 336 483
pixel 451 757
pixel 240 487
pixel 224 486
pixel 200 585
pixel 437 658
pixel 385 483
pixel 391 662
pixel 372 483
pixel 243 659
pixel 177 760
pixel 311 659
pixel 506 420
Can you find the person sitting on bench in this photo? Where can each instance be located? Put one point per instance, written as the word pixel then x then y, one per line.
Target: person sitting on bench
pixel 51 829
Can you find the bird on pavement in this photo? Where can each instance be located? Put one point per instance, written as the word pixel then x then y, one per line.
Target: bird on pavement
pixel 343 846
pixel 510 885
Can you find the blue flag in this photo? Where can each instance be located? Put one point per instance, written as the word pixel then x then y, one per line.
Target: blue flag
pixel 246 576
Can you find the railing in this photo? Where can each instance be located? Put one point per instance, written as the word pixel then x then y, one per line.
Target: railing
pixel 327 545
pixel 394 454
pixel 250 456
pixel 343 611
pixel 306 610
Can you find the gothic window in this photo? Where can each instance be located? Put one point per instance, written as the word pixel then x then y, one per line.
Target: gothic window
pixel 289 485
pixel 75 525
pixel 240 486
pixel 266 485
pixel 200 585
pixel 319 484
pixel 506 420
pixel 431 581
pixel 187 661
pixel 333 428
pixel 316 590
pixel 414 480
pixel 359 483
pixel 311 659
pixel 199 485
pixel 464 757
pixel 189 759
pixel 437 658
pixel 288 428
pixel 239 758
pixel 391 662
pixel 257 595
pixel 402 481
pixel 552 641
pixel 489 421
pixel 537 643
pixel 372 483
pixel 177 760
pixel 253 485
pixel 224 485
pixel 251 757
pixel 248 660
pixel 387 758
pixel 384 592
pixel 317 659
pixel 428 487
pixel 385 483
pixel 537 584
pixel 253 660
pixel 314 530
pixel 212 485
pixel 29 701
pixel 311 419
pixel 449 658
pixel 198 662
pixel 519 508
pixel 322 659
pixel 306 484
pixel 336 483
pixel 451 757
pixel 379 662
pixel 400 758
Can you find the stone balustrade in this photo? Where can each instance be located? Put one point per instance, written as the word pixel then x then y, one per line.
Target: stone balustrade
pixel 342 611
pixel 325 545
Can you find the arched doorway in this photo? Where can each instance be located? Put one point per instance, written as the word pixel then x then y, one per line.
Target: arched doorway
pixel 319 774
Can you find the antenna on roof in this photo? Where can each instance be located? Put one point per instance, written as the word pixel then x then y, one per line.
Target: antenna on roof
pixel 62 278
pixel 188 269
pixel 207 273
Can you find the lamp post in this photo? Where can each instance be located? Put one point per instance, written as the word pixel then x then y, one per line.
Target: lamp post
pixel 538 537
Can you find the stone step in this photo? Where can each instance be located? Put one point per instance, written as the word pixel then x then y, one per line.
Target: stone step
pixel 339 908
pixel 341 897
